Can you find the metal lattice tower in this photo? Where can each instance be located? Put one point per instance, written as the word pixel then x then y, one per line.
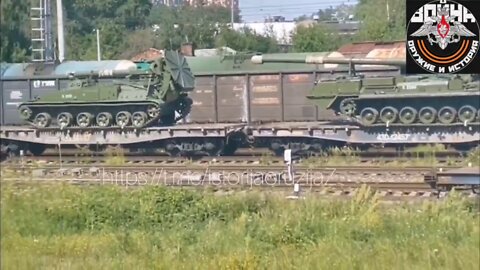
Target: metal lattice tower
pixel 42 41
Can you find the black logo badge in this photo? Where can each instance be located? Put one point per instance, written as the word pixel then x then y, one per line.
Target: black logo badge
pixel 443 36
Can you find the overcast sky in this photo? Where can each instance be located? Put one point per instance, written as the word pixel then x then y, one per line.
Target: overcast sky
pixel 258 10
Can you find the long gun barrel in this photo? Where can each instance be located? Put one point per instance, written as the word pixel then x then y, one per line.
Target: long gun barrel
pixel 106 73
pixel 316 59
pixel 173 66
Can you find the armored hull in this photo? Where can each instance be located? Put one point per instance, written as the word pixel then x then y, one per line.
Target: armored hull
pixel 155 97
pixel 429 100
pixel 394 100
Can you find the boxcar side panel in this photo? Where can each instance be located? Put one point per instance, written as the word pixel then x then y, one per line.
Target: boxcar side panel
pixel 232 99
pixel 265 98
pixel 203 96
pixel 297 106
pixel 14 93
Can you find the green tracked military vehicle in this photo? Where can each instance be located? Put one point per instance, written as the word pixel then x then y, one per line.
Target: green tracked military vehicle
pixel 141 98
pixel 395 100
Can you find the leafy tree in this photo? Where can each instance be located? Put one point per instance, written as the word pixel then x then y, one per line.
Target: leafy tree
pixel 140 41
pixel 114 18
pixel 387 27
pixel 325 14
pixel 302 18
pixel 130 13
pixel 246 40
pixel 199 25
pixel 14 38
pixel 315 38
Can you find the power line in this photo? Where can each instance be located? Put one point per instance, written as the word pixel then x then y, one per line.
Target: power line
pixel 299 5
pixel 280 10
pixel 306 8
pixel 290 8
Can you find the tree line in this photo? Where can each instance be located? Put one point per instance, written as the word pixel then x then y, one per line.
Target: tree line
pixel 131 26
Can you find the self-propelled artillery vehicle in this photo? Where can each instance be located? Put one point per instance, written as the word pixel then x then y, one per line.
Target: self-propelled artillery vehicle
pixel 157 96
pixel 395 100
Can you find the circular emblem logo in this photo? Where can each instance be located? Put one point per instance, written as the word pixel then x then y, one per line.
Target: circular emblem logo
pixel 443 37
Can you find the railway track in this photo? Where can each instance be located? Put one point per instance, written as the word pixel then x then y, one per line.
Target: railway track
pixel 147 160
pixel 387 191
pixel 207 168
pixel 243 175
pixel 244 171
pixel 389 182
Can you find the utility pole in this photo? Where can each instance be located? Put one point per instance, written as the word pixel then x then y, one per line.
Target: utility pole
pixel 231 11
pixel 60 34
pixel 388 12
pixel 99 58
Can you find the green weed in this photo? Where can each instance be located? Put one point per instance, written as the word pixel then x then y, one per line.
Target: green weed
pixel 72 227
pixel 115 156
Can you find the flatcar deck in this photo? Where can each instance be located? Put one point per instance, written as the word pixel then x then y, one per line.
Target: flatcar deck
pixel 354 134
pixel 468 177
pixel 114 135
pixel 298 136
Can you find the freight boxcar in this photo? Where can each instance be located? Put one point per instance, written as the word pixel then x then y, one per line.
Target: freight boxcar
pixel 235 90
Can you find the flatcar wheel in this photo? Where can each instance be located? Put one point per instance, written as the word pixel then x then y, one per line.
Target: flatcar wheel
pixel 427 115
pixel 139 119
pixel 123 118
pixel 369 116
pixel 64 119
pixel 172 149
pixel 466 113
pixel 104 119
pixel 388 114
pixel 408 115
pixel 446 115
pixel 153 111
pixel 214 148
pixel 84 119
pixel 277 148
pixel 42 120
pixel 25 112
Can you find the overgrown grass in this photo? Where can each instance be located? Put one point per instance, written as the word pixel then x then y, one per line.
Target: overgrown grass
pixel 473 157
pixel 427 150
pixel 115 156
pixel 68 227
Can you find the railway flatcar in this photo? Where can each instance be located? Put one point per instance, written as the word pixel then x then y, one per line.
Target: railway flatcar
pixel 303 137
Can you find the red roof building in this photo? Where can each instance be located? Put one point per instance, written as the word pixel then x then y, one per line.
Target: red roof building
pixel 391 49
pixel 148 55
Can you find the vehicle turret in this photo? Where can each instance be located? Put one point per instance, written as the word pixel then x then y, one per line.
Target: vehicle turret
pixel 140 99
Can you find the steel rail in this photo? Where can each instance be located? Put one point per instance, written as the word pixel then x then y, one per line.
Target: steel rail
pixel 159 160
